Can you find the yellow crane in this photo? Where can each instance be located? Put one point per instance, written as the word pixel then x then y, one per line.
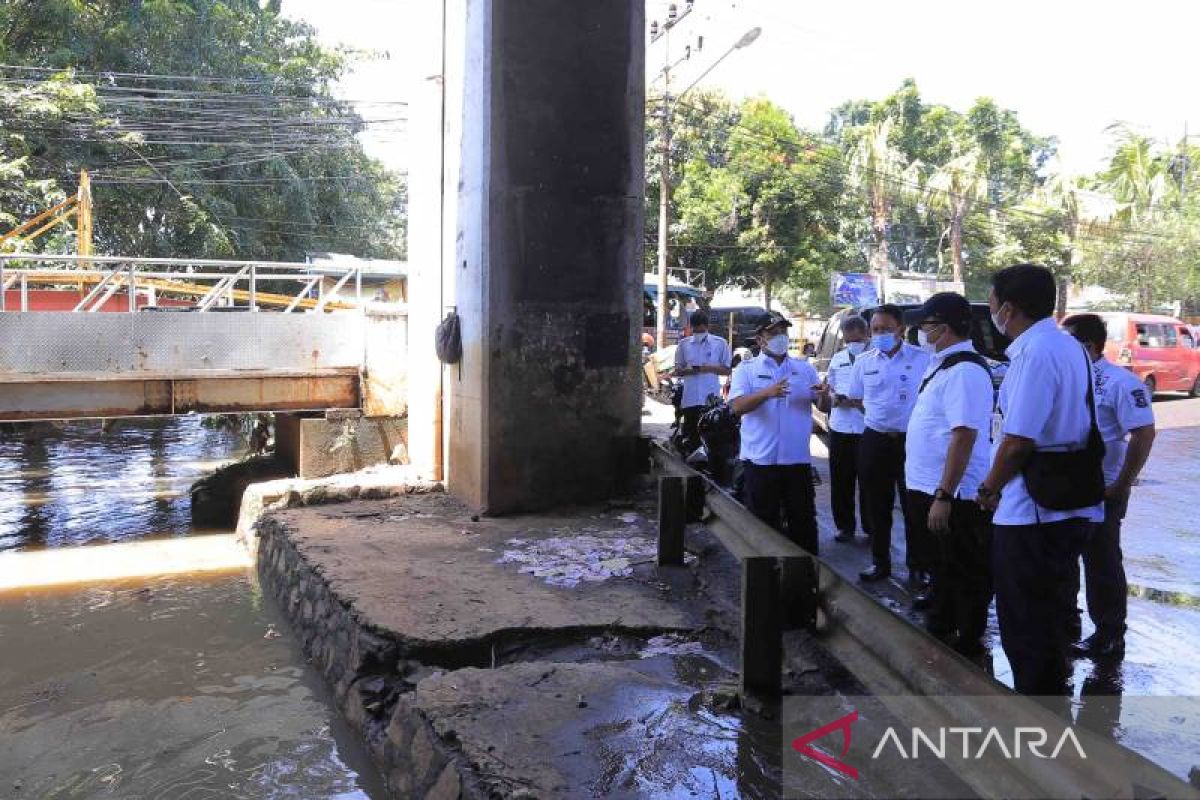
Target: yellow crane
pixel 78 205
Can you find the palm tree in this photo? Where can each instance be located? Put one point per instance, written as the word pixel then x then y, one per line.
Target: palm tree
pixel 1138 180
pixel 1062 194
pixel 879 168
pixel 952 190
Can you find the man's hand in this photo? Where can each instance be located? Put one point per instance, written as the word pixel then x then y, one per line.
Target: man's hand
pixel 1118 492
pixel 939 516
pixel 779 389
pixel 988 502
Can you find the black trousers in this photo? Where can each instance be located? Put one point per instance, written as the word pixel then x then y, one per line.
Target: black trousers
pixel 881 478
pixel 1104 573
pixel 689 420
pixel 961 563
pixel 843 479
pixel 778 493
pixel 1035 568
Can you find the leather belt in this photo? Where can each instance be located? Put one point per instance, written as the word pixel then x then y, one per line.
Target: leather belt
pixel 890 434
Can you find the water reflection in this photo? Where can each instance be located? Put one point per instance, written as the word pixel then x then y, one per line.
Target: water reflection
pixel 78 482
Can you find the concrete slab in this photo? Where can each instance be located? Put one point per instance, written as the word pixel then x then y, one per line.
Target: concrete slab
pixel 425 571
pixel 617 729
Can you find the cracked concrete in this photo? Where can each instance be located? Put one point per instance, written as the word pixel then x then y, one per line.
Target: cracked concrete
pixel 467 676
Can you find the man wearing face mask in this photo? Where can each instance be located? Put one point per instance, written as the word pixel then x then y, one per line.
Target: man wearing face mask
pixel 700 359
pixel 884 384
pixel 845 430
pixel 1046 484
pixel 772 394
pixel 947 453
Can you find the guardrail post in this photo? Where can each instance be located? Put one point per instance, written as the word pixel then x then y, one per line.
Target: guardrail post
pixel 671 520
pixel 694 489
pixel 798 591
pixel 132 281
pixel 24 292
pixel 3 285
pixel 762 627
pixel 253 288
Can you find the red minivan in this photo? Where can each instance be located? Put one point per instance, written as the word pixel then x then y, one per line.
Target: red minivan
pixel 1160 350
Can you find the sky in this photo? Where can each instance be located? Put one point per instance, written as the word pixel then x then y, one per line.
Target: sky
pixel 1068 68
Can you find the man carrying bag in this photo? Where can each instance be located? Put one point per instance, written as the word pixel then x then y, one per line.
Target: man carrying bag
pixel 1046 484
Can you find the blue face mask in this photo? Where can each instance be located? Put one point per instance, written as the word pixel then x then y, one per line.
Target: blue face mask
pixel 884 342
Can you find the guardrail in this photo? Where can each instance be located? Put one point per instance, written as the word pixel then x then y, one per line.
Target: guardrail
pixel 209 283
pixel 786 588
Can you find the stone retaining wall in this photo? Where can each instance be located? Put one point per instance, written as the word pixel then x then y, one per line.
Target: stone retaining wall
pixel 370 677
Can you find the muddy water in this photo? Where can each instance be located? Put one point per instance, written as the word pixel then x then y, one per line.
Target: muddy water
pixel 181 687
pixel 73 483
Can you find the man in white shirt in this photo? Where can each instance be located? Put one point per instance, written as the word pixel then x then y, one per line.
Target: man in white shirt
pixel 700 359
pixel 772 393
pixel 1045 410
pixel 947 453
pixel 845 430
pixel 1123 408
pixel 884 384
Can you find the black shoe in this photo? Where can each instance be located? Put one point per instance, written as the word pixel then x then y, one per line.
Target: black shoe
pixel 1097 646
pixel 923 600
pixel 844 537
pixel 875 573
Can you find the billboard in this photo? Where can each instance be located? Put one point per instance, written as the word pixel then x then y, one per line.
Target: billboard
pixel 917 290
pixel 855 289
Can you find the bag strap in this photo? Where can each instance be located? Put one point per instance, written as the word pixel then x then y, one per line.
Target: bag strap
pixel 957 358
pixel 1094 431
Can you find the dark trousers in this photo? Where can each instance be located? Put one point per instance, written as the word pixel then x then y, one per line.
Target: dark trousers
pixel 843 479
pixel 778 493
pixel 881 478
pixel 1035 568
pixel 961 562
pixel 689 420
pixel 1104 573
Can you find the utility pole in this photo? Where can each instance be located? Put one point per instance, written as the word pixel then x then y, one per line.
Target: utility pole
pixel 664 173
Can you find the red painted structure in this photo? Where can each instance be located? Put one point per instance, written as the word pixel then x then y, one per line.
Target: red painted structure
pixel 66 300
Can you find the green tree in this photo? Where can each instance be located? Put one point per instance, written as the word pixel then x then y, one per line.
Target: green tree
pixel 952 191
pixel 246 153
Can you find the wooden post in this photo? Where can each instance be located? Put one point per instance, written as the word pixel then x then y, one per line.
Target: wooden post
pixel 762 628
pixel 798 592
pixel 671 520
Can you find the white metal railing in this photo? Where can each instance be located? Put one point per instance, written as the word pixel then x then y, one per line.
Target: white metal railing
pixel 209 283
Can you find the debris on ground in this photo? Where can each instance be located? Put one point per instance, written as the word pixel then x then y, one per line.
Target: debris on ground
pixel 568 561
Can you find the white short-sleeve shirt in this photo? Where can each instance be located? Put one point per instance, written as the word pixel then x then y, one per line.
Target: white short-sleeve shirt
pixel 1044 398
pixel 887 385
pixel 1123 404
pixel 959 396
pixel 843 419
pixel 776 433
pixel 713 351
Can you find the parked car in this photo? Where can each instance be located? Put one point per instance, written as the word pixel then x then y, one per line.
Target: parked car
pixel 744 320
pixel 988 341
pixel 1159 350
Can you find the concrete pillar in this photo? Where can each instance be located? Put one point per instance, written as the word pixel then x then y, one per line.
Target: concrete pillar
pixel 548 265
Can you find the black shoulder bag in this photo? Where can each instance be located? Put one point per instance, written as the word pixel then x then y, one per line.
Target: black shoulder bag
pixel 957 358
pixel 1063 481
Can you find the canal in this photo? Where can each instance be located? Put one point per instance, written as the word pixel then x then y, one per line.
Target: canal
pixel 186 686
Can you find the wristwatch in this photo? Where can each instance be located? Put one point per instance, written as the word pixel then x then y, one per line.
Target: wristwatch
pixel 940 495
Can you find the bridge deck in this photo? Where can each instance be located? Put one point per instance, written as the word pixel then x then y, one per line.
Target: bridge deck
pixel 67 366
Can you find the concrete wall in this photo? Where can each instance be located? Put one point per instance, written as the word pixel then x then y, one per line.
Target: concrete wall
pixel 548 266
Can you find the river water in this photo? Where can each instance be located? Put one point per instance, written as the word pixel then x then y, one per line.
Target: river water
pixel 159 689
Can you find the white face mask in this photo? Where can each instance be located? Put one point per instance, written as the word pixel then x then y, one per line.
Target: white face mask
pixel 856 348
pixel 999 326
pixel 923 341
pixel 777 345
